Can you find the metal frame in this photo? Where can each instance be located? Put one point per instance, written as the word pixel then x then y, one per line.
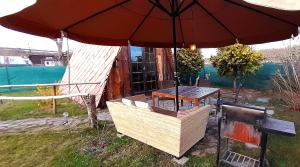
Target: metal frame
pixel 236 159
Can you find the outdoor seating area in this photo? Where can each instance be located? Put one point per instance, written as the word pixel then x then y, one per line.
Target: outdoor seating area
pixel 151 83
pixel 154 122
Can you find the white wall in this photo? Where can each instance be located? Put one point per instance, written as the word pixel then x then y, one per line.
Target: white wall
pixel 14 60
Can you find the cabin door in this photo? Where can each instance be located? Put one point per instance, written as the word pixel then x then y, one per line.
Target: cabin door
pixel 143 68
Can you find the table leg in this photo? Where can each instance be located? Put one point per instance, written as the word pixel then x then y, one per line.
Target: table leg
pixel 219 142
pixel 218 103
pixel 263 145
pixel 153 100
pixel 196 102
pixel 175 105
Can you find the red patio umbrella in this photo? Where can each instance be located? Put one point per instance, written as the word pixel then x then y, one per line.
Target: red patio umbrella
pixel 156 23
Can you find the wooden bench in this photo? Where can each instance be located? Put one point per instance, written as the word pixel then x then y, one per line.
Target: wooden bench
pixel 172 133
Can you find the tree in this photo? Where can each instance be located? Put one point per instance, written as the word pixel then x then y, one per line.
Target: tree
pixel 236 61
pixel 189 62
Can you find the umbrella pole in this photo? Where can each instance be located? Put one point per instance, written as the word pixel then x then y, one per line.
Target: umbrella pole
pixel 175 53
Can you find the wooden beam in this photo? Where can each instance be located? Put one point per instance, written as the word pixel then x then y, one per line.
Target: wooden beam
pixel 42 97
pixel 91 109
pixel 54 101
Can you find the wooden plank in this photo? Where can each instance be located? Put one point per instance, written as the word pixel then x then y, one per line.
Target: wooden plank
pixel 46 85
pixel 91 63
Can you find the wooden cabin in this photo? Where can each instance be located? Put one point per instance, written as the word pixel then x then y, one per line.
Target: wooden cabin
pixel 117 71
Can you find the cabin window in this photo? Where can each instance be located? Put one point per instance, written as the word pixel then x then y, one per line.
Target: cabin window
pixel 143 68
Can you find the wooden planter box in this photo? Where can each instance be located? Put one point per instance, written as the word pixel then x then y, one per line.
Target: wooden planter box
pixel 172 134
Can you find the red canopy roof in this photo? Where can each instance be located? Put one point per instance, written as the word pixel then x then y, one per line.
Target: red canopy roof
pixel 208 23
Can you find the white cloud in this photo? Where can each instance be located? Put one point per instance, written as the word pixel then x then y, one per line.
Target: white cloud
pixel 279 4
pixel 8 7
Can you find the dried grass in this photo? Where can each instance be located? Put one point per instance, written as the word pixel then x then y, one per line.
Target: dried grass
pixel 287 80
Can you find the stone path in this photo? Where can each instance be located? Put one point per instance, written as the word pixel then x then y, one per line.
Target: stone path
pixel 37 124
pixel 208 145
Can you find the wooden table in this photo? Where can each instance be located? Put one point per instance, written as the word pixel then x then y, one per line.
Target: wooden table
pixel 186 93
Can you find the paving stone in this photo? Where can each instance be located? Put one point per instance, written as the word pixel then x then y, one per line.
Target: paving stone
pixel 263 99
pixel 270 112
pixel 37 124
pixel 104 116
pixel 181 161
pixel 120 135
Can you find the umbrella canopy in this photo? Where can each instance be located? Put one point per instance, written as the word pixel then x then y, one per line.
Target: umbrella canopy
pixel 206 23
pixel 156 23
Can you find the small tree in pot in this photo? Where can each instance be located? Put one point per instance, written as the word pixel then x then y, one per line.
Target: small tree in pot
pixel 236 61
pixel 189 62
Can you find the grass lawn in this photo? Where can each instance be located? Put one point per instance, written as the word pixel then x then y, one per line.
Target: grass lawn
pixel 11 110
pixel 82 146
pixel 88 147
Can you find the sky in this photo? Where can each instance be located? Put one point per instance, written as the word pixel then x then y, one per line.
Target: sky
pixel 14 39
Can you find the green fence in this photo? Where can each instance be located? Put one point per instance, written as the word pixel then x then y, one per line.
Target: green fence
pixel 262 80
pixel 29 75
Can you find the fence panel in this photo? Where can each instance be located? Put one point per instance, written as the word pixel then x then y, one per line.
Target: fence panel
pixel 262 80
pixel 14 75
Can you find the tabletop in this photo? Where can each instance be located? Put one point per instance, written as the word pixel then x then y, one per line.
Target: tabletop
pixel 188 91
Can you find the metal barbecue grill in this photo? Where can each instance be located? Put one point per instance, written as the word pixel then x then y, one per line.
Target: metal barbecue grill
pixel 248 124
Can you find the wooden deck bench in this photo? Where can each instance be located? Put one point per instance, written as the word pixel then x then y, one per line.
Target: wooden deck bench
pixel 171 133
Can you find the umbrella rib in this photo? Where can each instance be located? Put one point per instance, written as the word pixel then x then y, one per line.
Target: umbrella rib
pixel 142 22
pixel 216 19
pixel 263 13
pixel 160 6
pixel 180 5
pixel 181 31
pixel 96 14
pixel 180 24
pixel 180 11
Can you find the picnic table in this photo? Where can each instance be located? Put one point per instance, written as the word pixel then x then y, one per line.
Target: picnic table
pixel 186 93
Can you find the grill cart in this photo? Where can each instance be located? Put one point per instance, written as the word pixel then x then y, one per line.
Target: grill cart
pixel 248 124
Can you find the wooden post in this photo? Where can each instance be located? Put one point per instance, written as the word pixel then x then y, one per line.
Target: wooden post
pixel 54 101
pixel 91 109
